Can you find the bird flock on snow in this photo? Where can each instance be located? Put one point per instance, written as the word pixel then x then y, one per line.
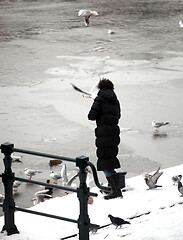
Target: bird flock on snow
pixel 46 193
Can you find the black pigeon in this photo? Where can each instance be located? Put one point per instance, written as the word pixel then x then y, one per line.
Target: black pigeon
pixel 180 188
pixel 118 222
pixel 94 228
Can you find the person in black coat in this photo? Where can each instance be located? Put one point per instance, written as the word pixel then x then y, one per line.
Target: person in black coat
pixel 106 111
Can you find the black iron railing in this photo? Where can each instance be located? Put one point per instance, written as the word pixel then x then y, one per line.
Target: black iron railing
pixel 8 177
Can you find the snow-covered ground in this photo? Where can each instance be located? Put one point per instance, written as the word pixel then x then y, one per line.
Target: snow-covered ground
pixel 161 213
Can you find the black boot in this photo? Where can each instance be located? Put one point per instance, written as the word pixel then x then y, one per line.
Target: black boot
pixel 114 184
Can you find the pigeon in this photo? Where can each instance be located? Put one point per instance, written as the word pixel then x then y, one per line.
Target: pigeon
pixel 151 180
pixel 118 222
pixel 181 24
pixel 91 94
pixel 86 14
pixel 40 196
pixel 55 176
pixel 16 184
pixel 157 125
pixel 30 172
pixel 64 174
pixel 94 228
pixel 176 178
pixel 180 188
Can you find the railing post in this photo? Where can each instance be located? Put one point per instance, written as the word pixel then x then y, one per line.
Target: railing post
pixel 8 178
pixel 82 194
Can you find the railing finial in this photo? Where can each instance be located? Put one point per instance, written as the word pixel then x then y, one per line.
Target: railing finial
pixel 7 149
pixel 8 178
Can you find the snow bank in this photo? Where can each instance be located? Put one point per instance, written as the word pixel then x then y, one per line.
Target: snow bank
pixel 161 211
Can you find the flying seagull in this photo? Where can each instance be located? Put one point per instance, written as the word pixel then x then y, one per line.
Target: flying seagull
pixel 118 222
pixel 157 125
pixel 86 14
pixel 151 180
pixel 30 172
pixel 91 94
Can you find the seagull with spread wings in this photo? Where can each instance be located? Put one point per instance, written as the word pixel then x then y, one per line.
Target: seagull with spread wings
pixel 91 94
pixel 86 14
pixel 40 196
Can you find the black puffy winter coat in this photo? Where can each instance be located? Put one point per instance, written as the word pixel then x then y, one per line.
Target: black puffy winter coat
pixel 106 111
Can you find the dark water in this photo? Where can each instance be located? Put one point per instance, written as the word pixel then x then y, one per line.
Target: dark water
pixel 33 33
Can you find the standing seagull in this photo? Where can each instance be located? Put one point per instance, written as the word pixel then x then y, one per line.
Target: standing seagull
pixel 180 188
pixel 151 180
pixel 63 173
pixel 91 94
pixel 157 125
pixel 55 176
pixel 30 172
pixel 86 14
pixel 118 222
